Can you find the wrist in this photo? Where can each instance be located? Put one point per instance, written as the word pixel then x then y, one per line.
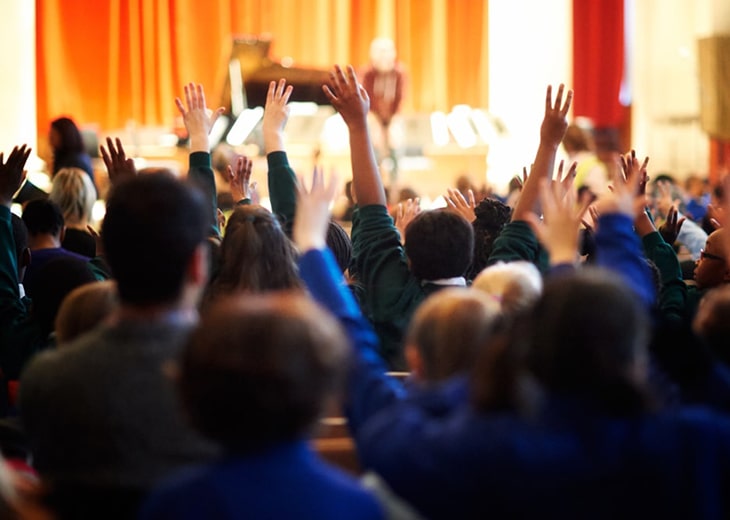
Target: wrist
pixel 306 244
pixel 563 256
pixel 199 144
pixel 273 142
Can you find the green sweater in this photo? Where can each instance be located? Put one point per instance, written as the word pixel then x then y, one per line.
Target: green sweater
pixel 389 293
pixel 20 336
pixel 517 241
pixel 282 189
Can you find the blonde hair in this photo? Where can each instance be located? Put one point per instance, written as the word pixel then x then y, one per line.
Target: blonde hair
pixel 450 328
pixel 516 285
pixel 74 193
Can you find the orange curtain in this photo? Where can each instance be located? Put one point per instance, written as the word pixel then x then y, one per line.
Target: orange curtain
pixel 119 62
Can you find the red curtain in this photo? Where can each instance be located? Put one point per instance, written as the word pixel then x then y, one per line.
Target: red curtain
pixel 598 60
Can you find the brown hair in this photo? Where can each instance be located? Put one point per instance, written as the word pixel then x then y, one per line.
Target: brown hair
pixel 255 255
pixel 259 368
pixel 450 328
pixel 83 309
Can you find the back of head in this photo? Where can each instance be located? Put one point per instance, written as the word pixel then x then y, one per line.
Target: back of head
pixel 588 339
pixel 712 322
pixel 258 369
pixel 340 244
pixel 69 136
pixel 153 225
pixel 83 309
pixel 515 285
pixel 43 217
pixel 52 283
pixel 449 329
pixel 491 216
pixel 256 255
pixel 74 193
pixel 439 244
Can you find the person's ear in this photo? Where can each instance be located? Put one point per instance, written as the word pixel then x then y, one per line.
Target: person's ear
pixel 62 234
pixel 414 360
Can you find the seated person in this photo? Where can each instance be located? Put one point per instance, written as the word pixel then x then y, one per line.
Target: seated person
pixel 46 230
pixel 395 279
pixel 255 377
pixel 102 418
pixel 75 194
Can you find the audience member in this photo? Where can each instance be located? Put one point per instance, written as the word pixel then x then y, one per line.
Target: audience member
pixel 74 193
pixel 438 244
pixel 102 418
pixel 46 230
pixel 83 309
pixel 68 147
pixel 515 285
pixel 255 378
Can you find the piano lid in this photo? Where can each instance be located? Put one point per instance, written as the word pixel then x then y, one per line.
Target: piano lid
pixel 250 70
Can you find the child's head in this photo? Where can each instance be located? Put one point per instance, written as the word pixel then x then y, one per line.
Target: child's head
pixel 255 255
pixel 588 338
pixel 258 369
pixel 439 245
pixel 447 332
pixel 515 285
pixel 491 216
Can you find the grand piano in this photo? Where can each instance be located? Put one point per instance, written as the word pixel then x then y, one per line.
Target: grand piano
pixel 250 70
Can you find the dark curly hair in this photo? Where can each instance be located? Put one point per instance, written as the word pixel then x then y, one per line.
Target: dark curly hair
pixel 491 216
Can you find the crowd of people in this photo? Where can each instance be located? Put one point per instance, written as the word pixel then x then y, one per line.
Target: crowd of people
pixel 562 361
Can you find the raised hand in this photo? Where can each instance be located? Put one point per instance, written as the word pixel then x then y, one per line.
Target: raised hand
pixel 347 96
pixel 240 178
pixel 313 212
pixel 555 122
pixel 624 196
pixel 197 118
pixel 665 201
pixel 672 226
pixel 276 114
pixel 12 173
pixel 405 213
pixel 458 203
pixel 559 229
pixel 552 131
pixel 630 166
pixel 565 181
pixel 118 165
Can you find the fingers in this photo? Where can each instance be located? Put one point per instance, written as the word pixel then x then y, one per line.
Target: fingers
pixel 330 95
pixel 549 98
pixel 472 200
pixel 559 98
pixel 188 91
pixel 270 92
pixel 568 101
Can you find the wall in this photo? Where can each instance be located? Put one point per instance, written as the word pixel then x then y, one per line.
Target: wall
pixel 530 46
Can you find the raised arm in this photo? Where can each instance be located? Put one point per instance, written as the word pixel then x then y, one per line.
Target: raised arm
pixel 617 246
pixel 199 122
pixel 281 177
pixel 19 337
pixel 369 389
pixel 351 100
pixel 552 131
